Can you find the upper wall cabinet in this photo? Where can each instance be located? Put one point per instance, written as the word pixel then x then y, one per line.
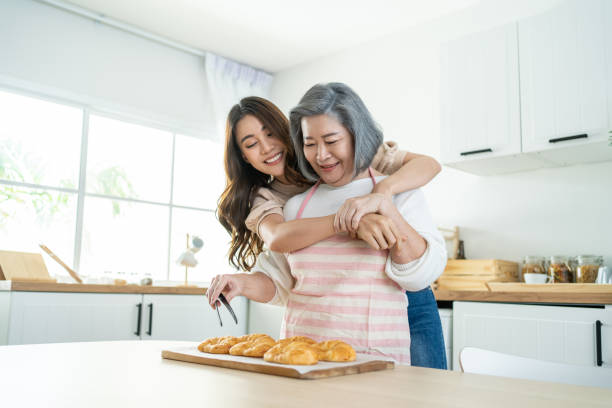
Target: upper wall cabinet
pixel 563 76
pixel 560 61
pixel 480 96
pixel 607 17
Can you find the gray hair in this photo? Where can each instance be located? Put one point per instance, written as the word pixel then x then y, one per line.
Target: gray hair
pixel 341 102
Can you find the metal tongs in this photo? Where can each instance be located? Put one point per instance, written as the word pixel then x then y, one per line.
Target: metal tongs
pixel 228 306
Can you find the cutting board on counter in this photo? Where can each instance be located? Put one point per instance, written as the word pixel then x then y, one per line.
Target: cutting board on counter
pixel 549 287
pixel 472 274
pixel 363 363
pixel 23 266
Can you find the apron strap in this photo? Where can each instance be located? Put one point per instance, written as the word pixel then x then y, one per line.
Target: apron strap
pixel 372 175
pixel 310 193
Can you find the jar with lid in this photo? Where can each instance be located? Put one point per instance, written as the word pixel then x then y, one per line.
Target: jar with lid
pixel 534 264
pixel 588 267
pixel 559 269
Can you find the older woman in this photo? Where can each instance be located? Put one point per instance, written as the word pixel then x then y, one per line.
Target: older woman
pixel 342 288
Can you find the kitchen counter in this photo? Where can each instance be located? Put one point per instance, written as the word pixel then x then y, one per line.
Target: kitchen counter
pixel 132 373
pixel 582 298
pixel 22 286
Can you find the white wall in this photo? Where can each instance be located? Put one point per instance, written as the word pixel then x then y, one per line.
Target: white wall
pixel 51 51
pixel 552 211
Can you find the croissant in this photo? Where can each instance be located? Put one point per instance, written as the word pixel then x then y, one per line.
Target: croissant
pixel 303 339
pixel 218 345
pixel 292 352
pixel 335 350
pixel 254 346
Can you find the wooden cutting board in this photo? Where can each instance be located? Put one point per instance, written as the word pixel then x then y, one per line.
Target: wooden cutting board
pixel 549 287
pixel 363 363
pixel 23 266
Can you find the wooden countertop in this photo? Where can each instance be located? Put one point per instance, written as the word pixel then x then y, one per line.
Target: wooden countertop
pixel 567 297
pixel 22 286
pixel 132 373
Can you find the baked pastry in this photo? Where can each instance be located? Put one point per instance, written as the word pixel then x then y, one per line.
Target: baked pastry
pixel 293 352
pixel 218 345
pixel 254 346
pixel 303 339
pixel 335 350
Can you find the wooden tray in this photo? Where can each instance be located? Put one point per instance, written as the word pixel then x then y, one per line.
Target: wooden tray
pixel 363 363
pixel 549 287
pixel 471 274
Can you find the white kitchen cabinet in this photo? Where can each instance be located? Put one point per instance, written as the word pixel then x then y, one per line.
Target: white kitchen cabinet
pixel 53 317
pixel 189 317
pixel 446 318
pixel 480 96
pixel 5 308
pixel 607 16
pixel 563 76
pixel 560 61
pixel 49 317
pixel 553 333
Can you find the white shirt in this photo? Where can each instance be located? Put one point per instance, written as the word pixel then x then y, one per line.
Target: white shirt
pixel 415 275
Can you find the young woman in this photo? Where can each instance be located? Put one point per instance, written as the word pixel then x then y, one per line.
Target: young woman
pixel 340 288
pixel 261 171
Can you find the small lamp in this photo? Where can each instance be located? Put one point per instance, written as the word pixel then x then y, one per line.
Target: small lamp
pixel 187 258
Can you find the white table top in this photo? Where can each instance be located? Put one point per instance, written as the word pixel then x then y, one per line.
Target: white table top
pixel 133 374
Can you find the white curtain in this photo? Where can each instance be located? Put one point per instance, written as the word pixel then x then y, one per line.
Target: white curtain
pixel 228 82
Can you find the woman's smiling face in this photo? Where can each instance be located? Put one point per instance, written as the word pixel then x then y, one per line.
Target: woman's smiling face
pixel 329 148
pixel 259 147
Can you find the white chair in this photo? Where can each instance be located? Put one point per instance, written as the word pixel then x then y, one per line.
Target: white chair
pixel 479 361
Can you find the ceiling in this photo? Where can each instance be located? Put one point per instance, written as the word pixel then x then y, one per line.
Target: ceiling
pixel 273 35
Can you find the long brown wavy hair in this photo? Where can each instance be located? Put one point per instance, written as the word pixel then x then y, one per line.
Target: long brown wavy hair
pixel 242 180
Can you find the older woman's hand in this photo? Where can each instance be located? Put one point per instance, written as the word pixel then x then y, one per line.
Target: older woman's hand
pixel 378 231
pixel 350 214
pixel 231 285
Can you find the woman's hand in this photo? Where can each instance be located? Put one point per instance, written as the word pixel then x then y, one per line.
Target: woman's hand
pixel 231 285
pixel 378 231
pixel 350 214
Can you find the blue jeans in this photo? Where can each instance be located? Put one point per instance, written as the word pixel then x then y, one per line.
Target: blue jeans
pixel 427 343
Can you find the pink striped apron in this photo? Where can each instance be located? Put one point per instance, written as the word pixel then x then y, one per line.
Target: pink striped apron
pixel 342 292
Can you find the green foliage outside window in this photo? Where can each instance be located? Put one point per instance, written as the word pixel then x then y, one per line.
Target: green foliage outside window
pixel 17 165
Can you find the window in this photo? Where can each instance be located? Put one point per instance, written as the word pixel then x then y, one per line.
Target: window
pixel 144 190
pixel 40 145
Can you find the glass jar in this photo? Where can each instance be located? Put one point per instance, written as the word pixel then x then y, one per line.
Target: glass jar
pixel 559 270
pixel 533 264
pixel 588 267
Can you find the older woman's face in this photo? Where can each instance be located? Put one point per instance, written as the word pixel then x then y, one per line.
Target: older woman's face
pixel 329 148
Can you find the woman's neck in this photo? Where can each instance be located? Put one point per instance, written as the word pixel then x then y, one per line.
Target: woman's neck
pixel 362 175
pixel 281 179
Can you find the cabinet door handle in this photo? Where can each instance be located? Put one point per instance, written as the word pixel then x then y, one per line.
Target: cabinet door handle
pixel 563 139
pixel 476 152
pixel 598 325
pixel 139 306
pixel 150 331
